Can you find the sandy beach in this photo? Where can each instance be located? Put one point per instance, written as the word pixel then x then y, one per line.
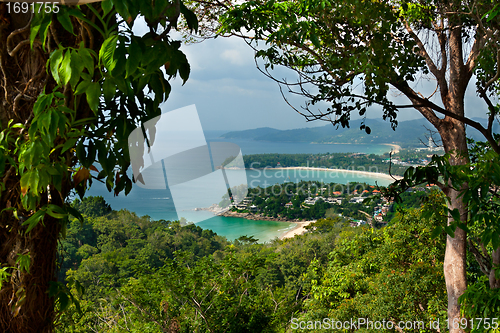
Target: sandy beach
pixel 345 172
pixel 299 229
pixel 396 148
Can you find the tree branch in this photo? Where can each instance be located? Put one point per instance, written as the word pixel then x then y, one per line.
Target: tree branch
pixel 484 262
pixel 429 107
pixel 438 74
pixel 479 43
pixel 497 75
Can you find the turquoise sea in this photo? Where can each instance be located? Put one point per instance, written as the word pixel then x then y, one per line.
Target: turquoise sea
pixel 159 205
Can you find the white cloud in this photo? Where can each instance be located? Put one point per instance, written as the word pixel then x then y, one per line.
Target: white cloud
pixel 234 56
pixel 230 93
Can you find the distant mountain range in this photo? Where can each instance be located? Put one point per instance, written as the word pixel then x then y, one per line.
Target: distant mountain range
pixel 408 133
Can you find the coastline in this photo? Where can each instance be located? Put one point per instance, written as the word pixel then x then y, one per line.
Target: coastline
pixel 397 148
pixel 257 217
pixel 345 171
pixel 299 229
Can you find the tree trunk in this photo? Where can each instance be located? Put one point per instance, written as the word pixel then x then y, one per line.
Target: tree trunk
pixel 25 305
pixel 454 140
pixel 453 136
pixel 36 312
pixel 455 264
pixel 494 282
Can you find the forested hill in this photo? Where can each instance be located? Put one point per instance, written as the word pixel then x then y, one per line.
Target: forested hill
pixel 407 134
pixel 131 274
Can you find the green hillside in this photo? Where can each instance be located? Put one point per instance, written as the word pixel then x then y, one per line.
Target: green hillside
pixel 410 133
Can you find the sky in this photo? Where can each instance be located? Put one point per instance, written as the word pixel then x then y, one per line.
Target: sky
pixel 230 93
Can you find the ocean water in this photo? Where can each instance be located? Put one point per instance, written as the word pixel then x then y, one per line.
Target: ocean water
pixel 158 204
pixel 262 147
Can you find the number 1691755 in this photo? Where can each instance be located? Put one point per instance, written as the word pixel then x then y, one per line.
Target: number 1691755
pixel 33 7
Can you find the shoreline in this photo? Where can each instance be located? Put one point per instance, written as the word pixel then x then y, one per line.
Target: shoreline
pixel 397 148
pixel 343 171
pixel 257 217
pixel 299 229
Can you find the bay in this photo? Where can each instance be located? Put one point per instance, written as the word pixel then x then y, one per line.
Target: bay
pixel 264 147
pixel 158 204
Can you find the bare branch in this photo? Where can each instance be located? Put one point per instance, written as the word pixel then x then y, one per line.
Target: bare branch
pixel 497 75
pixel 438 74
pixel 479 43
pixel 424 106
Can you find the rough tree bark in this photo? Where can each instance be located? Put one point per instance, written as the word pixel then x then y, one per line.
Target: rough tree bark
pixel 455 273
pixel 23 77
pixel 494 282
pixel 453 135
pixel 454 140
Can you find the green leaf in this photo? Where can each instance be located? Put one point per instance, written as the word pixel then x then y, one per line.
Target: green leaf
pixel 120 60
pixel 122 9
pixel 134 58
pixel 55 61
pixel 93 93
pixel 191 19
pixel 109 89
pixel 65 68
pixel 315 41
pixel 42 102
pixel 56 211
pixel 82 87
pixel 91 152
pixel 63 301
pixel 495 240
pixel 4 275
pixel 107 52
pixel 44 29
pixel 34 220
pixel 40 27
pixel 35 28
pixel 29 180
pixel 76 67
pixel 455 214
pixel 75 213
pixel 87 60
pixel 106 6
pixel 155 83
pixel 109 164
pixel 80 152
pixel 184 70
pixel 450 231
pixel 436 232
pixel 65 20
pixel 24 262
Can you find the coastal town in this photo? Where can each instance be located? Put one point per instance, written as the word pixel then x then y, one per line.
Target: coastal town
pixel 359 203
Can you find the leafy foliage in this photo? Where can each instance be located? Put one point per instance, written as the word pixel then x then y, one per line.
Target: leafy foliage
pixel 248 287
pixel 77 81
pixel 391 274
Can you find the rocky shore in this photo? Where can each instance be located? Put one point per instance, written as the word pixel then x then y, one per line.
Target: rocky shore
pixel 256 217
pixel 215 208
